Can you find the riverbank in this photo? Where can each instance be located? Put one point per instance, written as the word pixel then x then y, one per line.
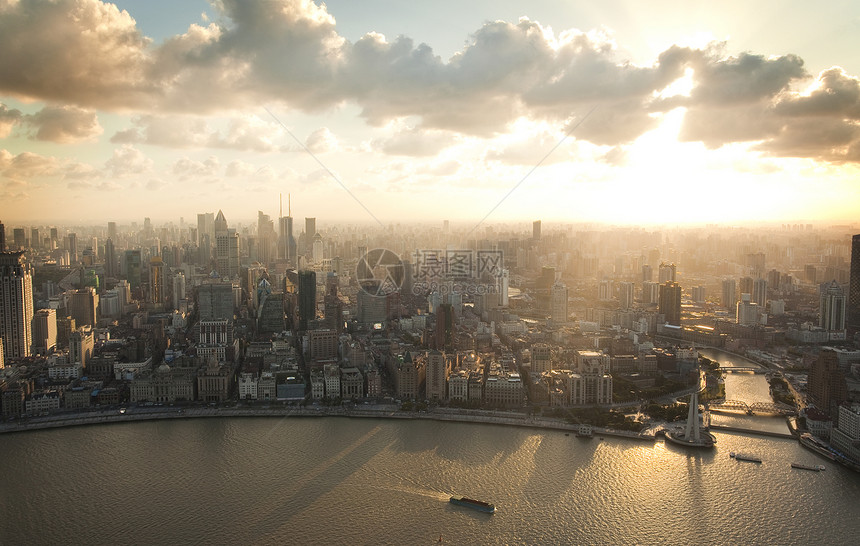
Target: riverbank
pixel 372 412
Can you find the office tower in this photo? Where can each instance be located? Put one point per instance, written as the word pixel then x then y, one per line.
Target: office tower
pixel 746 285
pixel 774 277
pixel 854 284
pixel 756 264
pixel 81 345
pixel 83 306
pixel 729 299
pixel 308 298
pixel 45 330
pixel 541 358
pixel 2 237
pixel 666 273
pixel 625 295
pixel 604 290
pixel 178 289
pixel 832 307
pixel 111 231
pixel 73 248
pixel 647 273
pixel 215 300
pixel 827 387
pixel 438 371
pixel 286 242
pixel 759 293
pixel 19 239
pixel 205 226
pixel 558 303
pixel 445 327
pixel 504 282
pixel 698 294
pixel 35 242
pixel 650 292
pixel 131 267
pixel 371 309
pixel 157 283
pixel 226 248
pixel 16 305
pixel 670 302
pixel 310 231
pixel 54 237
pixel 110 258
pixel 536 230
pixel 747 310
pixel 266 239
pixel 317 249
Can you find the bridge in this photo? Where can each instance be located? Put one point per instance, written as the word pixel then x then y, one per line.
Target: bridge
pixel 748 369
pixel 756 407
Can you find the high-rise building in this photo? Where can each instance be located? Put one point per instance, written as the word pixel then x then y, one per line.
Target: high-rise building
pixel 832 307
pixel 698 294
pixel 650 292
pixel 131 267
pixel 16 305
pixel 307 298
pixel 536 230
pixel 310 231
pixel 541 358
pixel 371 308
pixel 157 282
pixel 110 258
pixel 81 345
pixel 317 248
pixel 215 300
pixel 647 273
pixel 286 240
pixel 45 330
pixel 205 226
pixel 746 285
pixel 504 282
pixel 178 289
pixel 670 302
pixel 227 253
pixel 759 293
pixel 111 231
pixel 729 299
pixel 625 295
pixel 854 284
pixel 438 371
pixel 827 386
pixel 19 239
pixel 73 247
pixel 747 311
pixel 445 329
pixel 2 237
pixel 558 303
pixel 667 273
pixel 83 306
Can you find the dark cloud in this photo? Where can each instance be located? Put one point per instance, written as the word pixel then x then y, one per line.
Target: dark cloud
pixel 64 124
pixel 8 120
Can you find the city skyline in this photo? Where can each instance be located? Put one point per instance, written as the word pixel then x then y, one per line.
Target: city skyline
pixel 618 114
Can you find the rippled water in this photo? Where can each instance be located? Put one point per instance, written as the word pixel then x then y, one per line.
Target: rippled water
pixel 366 481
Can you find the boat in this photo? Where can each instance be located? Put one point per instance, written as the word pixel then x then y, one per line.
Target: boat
pixel 480 506
pixel 744 457
pixel 585 431
pixel 813 467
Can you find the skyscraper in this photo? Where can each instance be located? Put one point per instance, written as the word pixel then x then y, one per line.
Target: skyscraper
pixel 437 375
pixel 83 306
pixel 307 298
pixel 45 330
pixel 759 293
pixel 73 247
pixel 157 282
pixel 110 258
pixel 536 230
pixel 827 387
pixel 832 307
pixel 667 273
pixel 16 305
pixel 625 295
pixel 854 284
pixel 670 302
pixel 729 299
pixel 310 231
pixel 2 237
pixel 558 303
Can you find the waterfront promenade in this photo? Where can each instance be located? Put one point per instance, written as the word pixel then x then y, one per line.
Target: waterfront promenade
pixel 379 411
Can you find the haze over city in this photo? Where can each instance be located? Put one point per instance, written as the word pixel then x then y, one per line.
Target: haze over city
pixel 668 113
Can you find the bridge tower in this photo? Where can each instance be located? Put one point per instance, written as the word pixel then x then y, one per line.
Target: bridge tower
pixel 692 431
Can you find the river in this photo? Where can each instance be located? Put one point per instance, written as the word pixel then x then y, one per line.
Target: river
pixel 372 481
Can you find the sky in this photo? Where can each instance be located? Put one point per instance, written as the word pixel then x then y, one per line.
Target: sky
pixel 620 112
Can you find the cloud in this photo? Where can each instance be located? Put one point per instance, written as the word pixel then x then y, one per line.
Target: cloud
pixel 244 134
pixel 322 141
pixel 27 165
pixel 85 54
pixel 127 161
pixel 414 142
pixel 64 124
pixel 186 168
pixel 8 120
